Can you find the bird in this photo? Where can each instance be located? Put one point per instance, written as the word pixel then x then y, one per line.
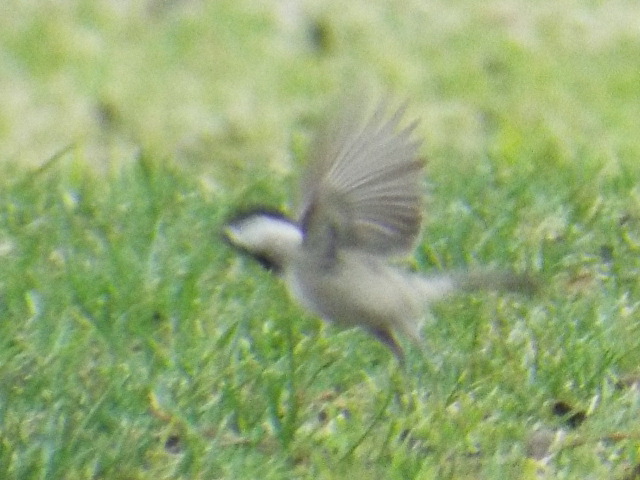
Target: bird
pixel 361 207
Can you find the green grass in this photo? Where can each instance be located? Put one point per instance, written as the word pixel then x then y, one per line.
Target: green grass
pixel 134 344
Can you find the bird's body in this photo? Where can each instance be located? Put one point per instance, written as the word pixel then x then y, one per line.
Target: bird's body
pixel 361 205
pixel 383 294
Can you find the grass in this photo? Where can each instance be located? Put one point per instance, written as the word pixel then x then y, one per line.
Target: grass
pixel 134 344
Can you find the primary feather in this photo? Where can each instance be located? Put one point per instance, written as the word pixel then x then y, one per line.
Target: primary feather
pixel 363 188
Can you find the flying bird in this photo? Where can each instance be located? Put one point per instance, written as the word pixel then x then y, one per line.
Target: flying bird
pixel 361 205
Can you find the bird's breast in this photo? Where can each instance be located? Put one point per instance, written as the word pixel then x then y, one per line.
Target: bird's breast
pixel 355 291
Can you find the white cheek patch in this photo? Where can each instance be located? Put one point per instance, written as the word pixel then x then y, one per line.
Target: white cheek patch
pixel 271 240
pixel 261 232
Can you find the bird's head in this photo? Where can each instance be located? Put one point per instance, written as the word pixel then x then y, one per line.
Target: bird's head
pixel 269 237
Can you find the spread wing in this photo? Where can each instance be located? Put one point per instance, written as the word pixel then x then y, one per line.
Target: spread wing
pixel 363 188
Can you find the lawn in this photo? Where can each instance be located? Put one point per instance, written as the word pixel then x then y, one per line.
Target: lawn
pixel 135 344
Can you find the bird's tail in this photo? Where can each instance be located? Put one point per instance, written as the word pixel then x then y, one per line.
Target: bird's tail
pixel 436 287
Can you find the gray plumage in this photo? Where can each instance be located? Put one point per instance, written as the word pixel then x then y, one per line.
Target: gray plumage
pixel 361 202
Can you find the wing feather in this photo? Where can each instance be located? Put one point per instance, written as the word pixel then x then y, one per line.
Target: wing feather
pixel 363 188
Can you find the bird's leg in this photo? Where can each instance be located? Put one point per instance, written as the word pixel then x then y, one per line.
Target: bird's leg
pixel 386 337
